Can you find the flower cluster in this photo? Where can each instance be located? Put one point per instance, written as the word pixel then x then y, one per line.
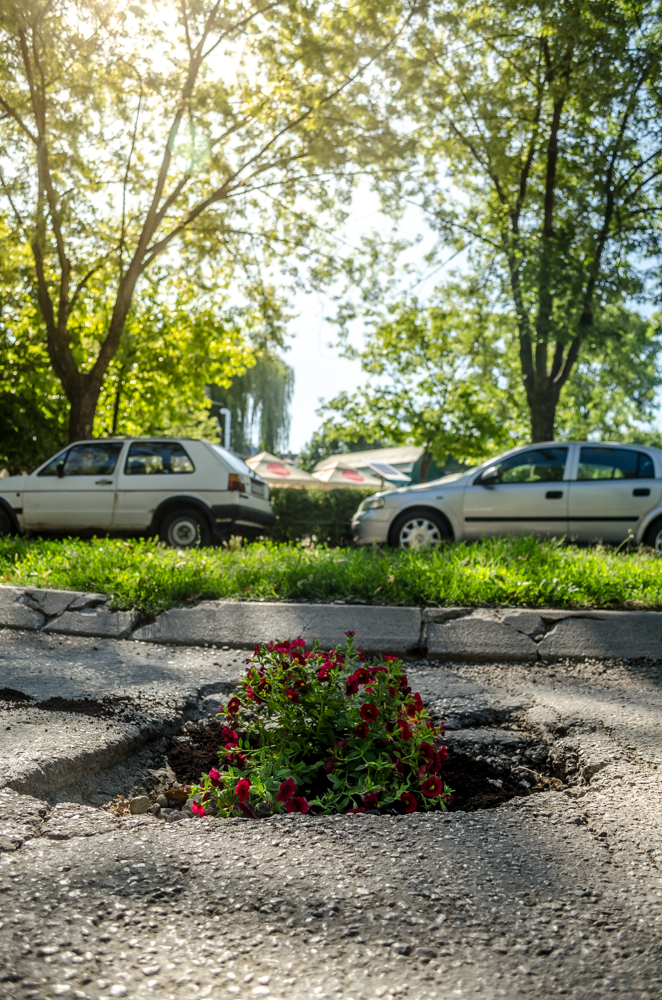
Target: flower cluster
pixel 326 732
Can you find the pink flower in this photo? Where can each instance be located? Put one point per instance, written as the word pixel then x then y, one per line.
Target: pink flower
pixel 214 776
pixel 242 788
pixel 409 802
pixel 286 790
pixel 292 695
pixel 198 809
pixel 297 804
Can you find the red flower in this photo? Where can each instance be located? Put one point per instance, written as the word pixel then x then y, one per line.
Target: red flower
pixel 398 764
pixel 418 702
pixel 281 647
pixel 297 642
pixel 330 764
pixel 409 802
pixel 256 651
pixel 263 685
pixel 354 811
pixel 234 705
pixel 206 797
pixel 198 809
pixel 351 685
pixel 392 692
pixel 292 695
pixel 427 751
pixel 362 730
pixel 229 736
pixel 369 712
pixel 297 804
pixel 405 731
pixel 362 675
pixel 390 659
pixel 300 684
pixel 242 788
pixel 432 787
pixel 411 711
pixel 370 800
pixel 214 776
pixel 323 674
pixel 286 790
pixel 350 635
pixel 339 745
pixel 404 681
pixel 250 694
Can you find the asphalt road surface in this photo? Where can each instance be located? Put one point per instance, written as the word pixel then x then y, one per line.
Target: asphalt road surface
pixel 557 893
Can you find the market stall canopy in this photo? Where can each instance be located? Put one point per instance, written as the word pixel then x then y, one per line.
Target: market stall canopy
pixel 278 472
pixel 339 477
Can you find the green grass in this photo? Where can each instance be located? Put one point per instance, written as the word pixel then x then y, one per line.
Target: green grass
pixel 521 572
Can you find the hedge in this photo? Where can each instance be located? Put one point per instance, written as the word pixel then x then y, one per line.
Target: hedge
pixel 323 514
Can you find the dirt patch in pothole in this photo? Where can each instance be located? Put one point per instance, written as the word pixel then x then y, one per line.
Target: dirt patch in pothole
pixel 14 697
pixel 475 783
pixel 117 708
pixel 194 756
pixel 478 785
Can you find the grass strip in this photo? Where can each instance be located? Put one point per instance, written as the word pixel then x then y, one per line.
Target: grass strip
pixel 524 572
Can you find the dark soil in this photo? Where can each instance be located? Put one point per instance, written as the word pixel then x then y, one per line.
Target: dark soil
pixel 471 788
pixel 12 695
pixel 195 755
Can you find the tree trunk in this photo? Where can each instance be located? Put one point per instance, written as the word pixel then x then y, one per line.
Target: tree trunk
pixel 83 404
pixel 426 462
pixel 542 410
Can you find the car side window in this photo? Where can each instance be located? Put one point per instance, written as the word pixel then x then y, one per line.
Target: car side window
pixel 540 465
pixel 51 468
pixel 147 458
pixel 93 459
pixel 614 463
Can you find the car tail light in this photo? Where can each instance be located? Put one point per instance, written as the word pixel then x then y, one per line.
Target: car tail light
pixel 235 482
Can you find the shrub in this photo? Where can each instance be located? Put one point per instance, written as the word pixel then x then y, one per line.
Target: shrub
pixel 324 514
pixel 325 731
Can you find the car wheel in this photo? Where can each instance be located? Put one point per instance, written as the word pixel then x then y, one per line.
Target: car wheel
pixel 653 535
pixel 185 529
pixel 419 529
pixel 6 526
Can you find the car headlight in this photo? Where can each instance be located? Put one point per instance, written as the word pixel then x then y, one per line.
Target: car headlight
pixel 372 503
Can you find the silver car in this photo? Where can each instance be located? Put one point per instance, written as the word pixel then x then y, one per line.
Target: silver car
pixel 588 492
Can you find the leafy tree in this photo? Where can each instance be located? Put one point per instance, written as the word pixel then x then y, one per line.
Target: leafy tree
pixel 335 439
pixel 537 148
pixel 434 379
pixel 259 401
pixel 126 139
pixel 446 376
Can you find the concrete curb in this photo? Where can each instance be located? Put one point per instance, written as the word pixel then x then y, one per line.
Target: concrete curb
pixel 451 634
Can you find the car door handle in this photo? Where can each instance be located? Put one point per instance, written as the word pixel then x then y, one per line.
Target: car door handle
pixel 553 494
pixel 641 493
pixel 103 482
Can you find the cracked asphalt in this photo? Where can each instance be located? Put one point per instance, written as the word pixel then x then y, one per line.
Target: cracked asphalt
pixel 556 893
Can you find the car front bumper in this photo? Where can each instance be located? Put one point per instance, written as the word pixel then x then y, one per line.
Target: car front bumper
pixel 370 526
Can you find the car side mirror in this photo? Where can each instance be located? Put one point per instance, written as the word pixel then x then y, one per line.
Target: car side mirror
pixel 490 477
pixel 60 470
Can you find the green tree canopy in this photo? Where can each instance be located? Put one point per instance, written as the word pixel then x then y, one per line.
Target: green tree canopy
pixel 536 146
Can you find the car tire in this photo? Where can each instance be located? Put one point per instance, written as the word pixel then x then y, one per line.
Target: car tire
pixel 185 528
pixel 653 535
pixel 419 528
pixel 6 524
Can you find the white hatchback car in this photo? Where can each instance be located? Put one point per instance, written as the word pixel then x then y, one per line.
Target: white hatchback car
pixel 188 492
pixel 587 492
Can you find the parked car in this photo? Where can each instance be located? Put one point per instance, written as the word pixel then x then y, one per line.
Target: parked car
pixel 187 492
pixel 585 491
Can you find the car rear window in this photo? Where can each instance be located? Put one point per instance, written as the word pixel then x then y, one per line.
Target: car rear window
pixel 614 463
pixel 148 458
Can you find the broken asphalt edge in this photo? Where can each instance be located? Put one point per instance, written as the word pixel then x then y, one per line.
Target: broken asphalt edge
pixel 447 634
